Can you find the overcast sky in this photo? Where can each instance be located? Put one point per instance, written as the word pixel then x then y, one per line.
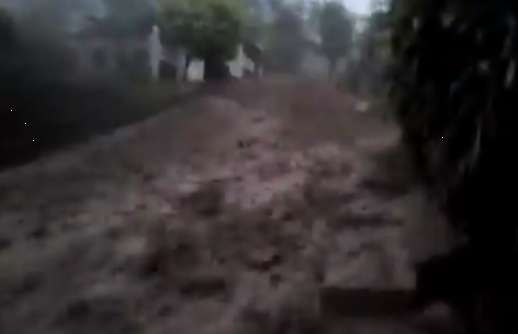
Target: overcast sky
pixel 358 6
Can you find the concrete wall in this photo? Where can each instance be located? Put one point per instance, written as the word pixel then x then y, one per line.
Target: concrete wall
pixel 195 71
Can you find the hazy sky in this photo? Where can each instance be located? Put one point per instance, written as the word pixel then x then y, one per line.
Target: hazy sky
pixel 358 6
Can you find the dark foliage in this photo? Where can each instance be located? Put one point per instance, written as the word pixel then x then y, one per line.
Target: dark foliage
pixel 215 69
pixel 454 90
pixel 167 70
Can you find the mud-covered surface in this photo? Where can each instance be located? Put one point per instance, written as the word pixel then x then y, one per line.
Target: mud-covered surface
pixel 231 215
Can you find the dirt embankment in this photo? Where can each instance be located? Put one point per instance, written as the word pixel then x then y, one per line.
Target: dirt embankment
pixel 229 216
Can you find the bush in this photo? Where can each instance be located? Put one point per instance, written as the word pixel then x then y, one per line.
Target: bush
pixel 454 90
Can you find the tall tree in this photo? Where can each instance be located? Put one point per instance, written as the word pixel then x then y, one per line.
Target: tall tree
pixel 286 37
pixel 336 32
pixel 372 57
pixel 209 29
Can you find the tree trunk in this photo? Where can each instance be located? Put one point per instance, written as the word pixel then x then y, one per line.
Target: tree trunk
pixel 215 69
pixel 188 60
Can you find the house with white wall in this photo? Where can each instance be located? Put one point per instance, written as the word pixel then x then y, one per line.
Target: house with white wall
pixel 103 56
pixel 238 66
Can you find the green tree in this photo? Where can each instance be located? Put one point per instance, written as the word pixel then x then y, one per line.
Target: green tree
pixel 336 29
pixel 209 29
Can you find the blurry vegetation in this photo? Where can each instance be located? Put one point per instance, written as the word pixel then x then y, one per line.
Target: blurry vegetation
pixel 123 18
pixel 368 60
pixel 255 29
pixel 336 32
pixel 454 91
pixel 44 107
pixel 209 30
pixel 123 21
pixel 286 40
pixel 297 29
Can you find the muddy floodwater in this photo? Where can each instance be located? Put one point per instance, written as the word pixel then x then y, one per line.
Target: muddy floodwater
pixel 226 215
